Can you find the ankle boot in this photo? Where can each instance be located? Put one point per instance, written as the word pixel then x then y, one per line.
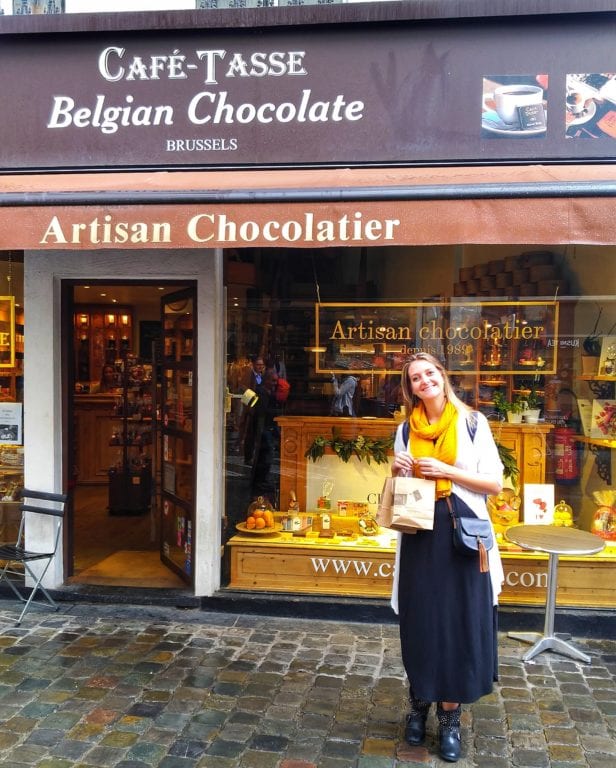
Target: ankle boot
pixel 449 733
pixel 415 730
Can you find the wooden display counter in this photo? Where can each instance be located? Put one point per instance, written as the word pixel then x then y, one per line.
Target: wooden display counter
pixel 364 568
pixel 312 565
pixel 93 429
pixel 528 442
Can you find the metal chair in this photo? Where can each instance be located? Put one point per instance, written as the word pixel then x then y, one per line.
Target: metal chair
pixel 17 558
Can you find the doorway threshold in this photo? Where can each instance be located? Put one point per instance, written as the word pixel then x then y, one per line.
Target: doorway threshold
pixel 123 595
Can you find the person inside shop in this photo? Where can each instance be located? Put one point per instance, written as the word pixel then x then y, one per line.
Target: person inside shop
pixel 344 401
pixel 109 379
pixel 253 381
pixel 446 605
pixel 279 366
pixel 390 395
pixel 263 438
pixel 256 373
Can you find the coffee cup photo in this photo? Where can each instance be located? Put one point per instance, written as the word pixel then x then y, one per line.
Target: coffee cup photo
pixel 576 103
pixel 508 99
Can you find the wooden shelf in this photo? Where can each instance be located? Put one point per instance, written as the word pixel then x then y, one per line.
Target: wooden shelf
pixel 601 442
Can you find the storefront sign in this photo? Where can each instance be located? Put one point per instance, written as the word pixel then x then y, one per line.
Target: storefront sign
pixel 7 331
pixel 354 94
pixel 504 337
pixel 219 228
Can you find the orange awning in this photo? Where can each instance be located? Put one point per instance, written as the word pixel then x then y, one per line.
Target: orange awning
pixel 311 208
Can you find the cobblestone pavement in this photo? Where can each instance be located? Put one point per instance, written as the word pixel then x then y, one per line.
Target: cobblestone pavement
pixel 131 686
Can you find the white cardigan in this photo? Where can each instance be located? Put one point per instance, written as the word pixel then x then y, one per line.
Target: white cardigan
pixel 479 455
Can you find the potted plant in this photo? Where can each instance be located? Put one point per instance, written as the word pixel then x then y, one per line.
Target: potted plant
pixel 531 403
pixel 511 410
pixel 591 349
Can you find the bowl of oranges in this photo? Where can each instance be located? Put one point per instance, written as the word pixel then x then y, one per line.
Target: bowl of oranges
pixel 259 520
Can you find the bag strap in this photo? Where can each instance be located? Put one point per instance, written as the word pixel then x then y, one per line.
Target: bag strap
pixel 471 425
pixel 405 431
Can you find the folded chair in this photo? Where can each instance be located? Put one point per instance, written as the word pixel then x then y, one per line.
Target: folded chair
pixel 17 558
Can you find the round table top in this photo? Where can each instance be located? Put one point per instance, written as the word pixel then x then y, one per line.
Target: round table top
pixel 555 539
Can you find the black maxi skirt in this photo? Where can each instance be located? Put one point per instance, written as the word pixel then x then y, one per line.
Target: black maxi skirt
pixel 448 624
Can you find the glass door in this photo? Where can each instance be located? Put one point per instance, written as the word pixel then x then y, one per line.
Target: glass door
pixel 177 432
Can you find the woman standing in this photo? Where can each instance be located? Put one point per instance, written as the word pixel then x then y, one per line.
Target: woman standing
pixel 446 605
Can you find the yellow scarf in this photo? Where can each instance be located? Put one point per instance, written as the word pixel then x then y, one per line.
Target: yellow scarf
pixel 439 440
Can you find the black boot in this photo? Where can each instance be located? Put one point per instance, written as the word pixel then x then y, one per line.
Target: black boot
pixel 449 733
pixel 415 730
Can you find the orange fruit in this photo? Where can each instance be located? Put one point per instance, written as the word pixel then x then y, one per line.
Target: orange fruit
pixel 259 522
pixel 258 513
pixel 250 522
pixel 269 519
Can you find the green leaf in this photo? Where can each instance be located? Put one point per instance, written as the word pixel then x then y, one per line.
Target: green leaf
pixel 365 448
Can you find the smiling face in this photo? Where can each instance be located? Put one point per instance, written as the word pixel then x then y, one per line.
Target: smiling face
pixel 426 382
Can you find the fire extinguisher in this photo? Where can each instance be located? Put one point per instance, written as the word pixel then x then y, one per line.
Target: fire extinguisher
pixel 566 468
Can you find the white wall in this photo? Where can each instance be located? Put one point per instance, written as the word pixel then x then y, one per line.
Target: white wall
pixel 43 275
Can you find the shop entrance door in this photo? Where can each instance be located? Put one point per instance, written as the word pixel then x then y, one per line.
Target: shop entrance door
pixel 178 418
pixel 115 367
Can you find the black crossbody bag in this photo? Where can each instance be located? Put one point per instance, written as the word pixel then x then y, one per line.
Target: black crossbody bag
pixel 472 536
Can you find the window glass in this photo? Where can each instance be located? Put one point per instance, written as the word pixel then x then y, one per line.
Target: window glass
pixel 527 334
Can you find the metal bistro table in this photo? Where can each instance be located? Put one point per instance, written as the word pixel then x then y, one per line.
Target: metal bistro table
pixel 555 541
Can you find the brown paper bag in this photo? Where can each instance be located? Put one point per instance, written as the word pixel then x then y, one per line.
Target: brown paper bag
pixel 385 508
pixel 407 504
pixel 413 505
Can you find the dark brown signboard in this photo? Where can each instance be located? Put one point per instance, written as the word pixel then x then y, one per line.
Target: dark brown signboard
pixel 531 89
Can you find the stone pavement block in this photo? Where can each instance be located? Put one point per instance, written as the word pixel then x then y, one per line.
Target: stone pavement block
pixel 258 759
pixel 526 758
pixel 492 762
pixel 380 747
pixel 414 755
pixel 562 736
pixel 491 746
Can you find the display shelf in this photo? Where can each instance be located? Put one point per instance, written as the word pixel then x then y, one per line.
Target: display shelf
pixel 11 379
pixel 177 440
pixel 602 387
pixel 102 335
pixel 600 442
pixel 130 480
pixel 11 473
pixel 602 451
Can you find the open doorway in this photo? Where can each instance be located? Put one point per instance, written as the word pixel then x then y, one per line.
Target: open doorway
pixel 115 394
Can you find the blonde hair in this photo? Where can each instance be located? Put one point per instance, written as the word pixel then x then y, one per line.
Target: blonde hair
pixel 411 400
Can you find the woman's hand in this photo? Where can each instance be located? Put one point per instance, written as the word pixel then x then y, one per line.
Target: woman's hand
pixel 431 467
pixel 403 464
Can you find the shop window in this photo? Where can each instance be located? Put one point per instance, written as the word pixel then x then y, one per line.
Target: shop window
pixel 514 325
